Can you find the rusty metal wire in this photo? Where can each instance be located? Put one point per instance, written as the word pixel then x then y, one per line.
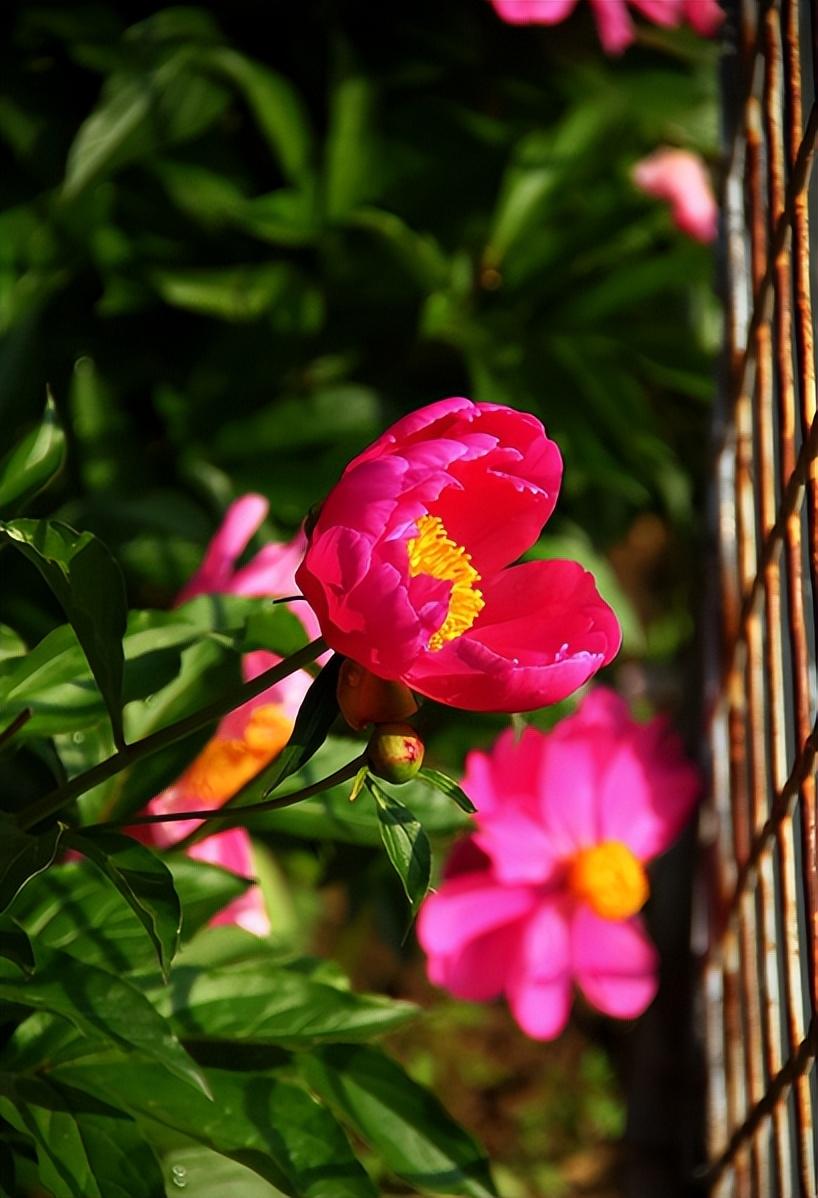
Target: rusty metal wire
pixel 760 994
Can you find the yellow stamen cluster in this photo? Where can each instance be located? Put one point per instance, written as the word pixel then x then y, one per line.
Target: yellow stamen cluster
pixel 432 552
pixel 610 879
pixel 225 765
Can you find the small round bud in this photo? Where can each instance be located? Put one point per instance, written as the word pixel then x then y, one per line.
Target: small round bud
pixel 395 752
pixel 366 699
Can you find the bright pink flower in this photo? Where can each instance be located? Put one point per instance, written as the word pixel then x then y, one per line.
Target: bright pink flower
pixel 547 889
pixel 251 736
pixel 407 565
pixel 616 31
pixel 681 178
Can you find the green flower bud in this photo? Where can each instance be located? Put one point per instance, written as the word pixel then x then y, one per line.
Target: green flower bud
pixel 395 752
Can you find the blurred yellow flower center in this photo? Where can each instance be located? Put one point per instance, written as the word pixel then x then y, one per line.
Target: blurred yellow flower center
pixel 610 879
pixel 224 765
pixel 432 552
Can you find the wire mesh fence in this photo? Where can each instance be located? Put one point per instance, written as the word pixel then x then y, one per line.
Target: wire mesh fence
pixel 759 830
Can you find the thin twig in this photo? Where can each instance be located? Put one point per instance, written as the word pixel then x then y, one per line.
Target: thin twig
pixel 238 814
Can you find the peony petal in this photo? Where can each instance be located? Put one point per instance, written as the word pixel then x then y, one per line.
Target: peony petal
pixel 539 984
pixel 468 906
pixel 615 963
pixel 705 16
pixel 570 785
pixel 240 521
pixel 271 571
pixel 470 930
pixel 520 849
pixel 533 12
pixel 661 12
pixel 613 24
pixel 648 791
pixel 432 420
pixel 505 788
pixel 231 850
pixel 544 631
pixel 681 178
pixel 604 711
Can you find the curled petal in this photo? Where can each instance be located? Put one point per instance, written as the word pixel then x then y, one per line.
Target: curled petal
pixel 615 964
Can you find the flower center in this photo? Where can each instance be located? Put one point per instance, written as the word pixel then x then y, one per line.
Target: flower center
pixel 224 765
pixel 432 552
pixel 610 879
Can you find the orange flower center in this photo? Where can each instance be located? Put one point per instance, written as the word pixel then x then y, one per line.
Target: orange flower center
pixel 432 552
pixel 225 765
pixel 610 879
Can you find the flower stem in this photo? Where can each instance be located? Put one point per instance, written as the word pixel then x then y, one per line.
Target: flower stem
pixel 237 814
pixel 61 796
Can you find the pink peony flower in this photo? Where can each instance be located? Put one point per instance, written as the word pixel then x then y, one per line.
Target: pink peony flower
pixel 547 889
pixel 616 31
pixel 681 178
pixel 705 16
pixel 407 564
pixel 250 737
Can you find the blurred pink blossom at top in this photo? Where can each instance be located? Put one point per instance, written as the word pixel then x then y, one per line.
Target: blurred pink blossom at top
pixel 616 30
pixel 250 737
pixel 548 888
pixel 681 178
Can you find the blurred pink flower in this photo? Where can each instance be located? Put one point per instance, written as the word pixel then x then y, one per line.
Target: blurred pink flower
pixel 251 736
pixel 616 31
pixel 681 178
pixel 705 16
pixel 408 569
pixel 547 889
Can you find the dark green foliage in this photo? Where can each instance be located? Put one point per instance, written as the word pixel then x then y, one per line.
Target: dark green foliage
pixel 231 257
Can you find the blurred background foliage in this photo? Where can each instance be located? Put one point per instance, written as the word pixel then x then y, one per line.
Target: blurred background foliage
pixel 238 240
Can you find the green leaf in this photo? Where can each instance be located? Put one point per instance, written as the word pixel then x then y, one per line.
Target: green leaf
pixel 101 1004
pixel 448 787
pixel 140 113
pixel 143 880
pixel 278 290
pixel 350 139
pixel 270 1126
pixel 405 1124
pixel 279 111
pixel 22 856
pixel 15 945
pixel 32 463
pixel 85 1149
pixel 88 584
pixel 406 844
pixel 314 720
pixel 260 1002
pixel 72 907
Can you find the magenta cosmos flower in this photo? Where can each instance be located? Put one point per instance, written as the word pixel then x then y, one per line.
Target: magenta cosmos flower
pixel 408 564
pixel 616 31
pixel 681 178
pixel 250 737
pixel 548 888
